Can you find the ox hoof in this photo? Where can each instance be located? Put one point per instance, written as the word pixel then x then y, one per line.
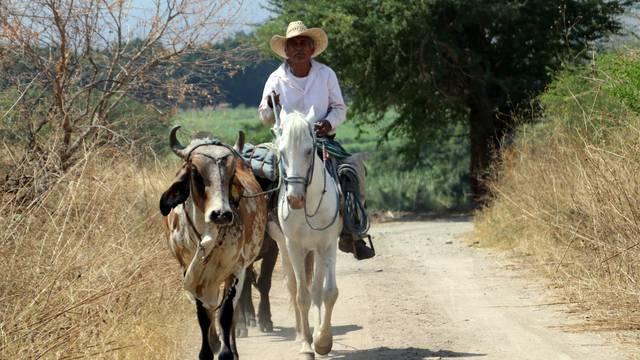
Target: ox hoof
pixel 226 354
pixel 205 354
pixel 252 323
pixel 266 327
pixel 242 333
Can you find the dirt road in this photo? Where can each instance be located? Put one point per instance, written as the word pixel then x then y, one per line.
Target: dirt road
pixel 429 295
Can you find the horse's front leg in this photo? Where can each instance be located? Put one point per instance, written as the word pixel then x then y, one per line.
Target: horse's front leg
pixel 323 338
pixel 233 289
pixel 297 256
pixel 317 283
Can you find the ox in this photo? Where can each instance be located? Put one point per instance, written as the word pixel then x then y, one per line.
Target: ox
pixel 215 232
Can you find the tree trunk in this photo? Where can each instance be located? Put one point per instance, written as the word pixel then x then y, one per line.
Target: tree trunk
pixel 483 142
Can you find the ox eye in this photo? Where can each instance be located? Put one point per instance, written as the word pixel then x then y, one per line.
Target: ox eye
pixel 198 181
pixel 308 152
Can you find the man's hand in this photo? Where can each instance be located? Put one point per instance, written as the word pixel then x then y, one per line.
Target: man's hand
pixel 276 96
pixel 322 127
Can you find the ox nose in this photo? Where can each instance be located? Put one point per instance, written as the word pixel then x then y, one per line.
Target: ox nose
pixel 296 202
pixel 221 217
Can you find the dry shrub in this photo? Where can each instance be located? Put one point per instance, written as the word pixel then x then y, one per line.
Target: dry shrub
pixel 567 191
pixel 86 271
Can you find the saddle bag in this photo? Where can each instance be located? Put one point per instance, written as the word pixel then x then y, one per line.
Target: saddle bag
pixel 262 159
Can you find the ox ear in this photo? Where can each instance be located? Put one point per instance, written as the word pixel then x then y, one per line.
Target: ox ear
pixel 243 182
pixel 239 145
pixel 177 193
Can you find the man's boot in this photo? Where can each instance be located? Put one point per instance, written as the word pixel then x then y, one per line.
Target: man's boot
pixel 350 244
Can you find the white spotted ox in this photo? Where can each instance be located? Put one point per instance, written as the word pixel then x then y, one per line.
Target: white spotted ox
pixel 214 232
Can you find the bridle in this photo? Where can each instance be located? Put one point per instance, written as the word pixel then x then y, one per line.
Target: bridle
pixel 219 162
pixel 306 181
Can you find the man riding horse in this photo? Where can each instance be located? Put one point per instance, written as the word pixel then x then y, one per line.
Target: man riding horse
pixel 304 85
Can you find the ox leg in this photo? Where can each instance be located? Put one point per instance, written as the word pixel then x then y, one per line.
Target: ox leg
pixel 323 339
pixel 249 310
pixel 206 352
pixel 245 307
pixel 264 285
pixel 303 299
pixel 233 289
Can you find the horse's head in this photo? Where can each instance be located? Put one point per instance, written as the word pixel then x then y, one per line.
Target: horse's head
pixel 208 176
pixel 296 145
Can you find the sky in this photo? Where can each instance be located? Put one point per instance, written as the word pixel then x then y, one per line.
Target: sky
pixel 250 12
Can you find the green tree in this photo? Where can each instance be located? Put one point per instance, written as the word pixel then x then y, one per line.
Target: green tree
pixel 441 61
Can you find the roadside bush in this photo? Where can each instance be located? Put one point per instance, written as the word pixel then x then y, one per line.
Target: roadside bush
pixel 86 269
pixel 567 190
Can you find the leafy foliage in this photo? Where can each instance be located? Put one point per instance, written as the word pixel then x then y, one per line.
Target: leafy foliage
pixel 595 96
pixel 450 61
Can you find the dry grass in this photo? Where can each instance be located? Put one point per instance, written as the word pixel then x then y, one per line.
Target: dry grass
pixel 568 193
pixel 86 272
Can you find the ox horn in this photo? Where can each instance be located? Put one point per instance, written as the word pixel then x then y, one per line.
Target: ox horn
pixel 177 148
pixel 239 145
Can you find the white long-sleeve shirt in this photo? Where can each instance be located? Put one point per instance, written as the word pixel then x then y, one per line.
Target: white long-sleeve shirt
pixel 317 95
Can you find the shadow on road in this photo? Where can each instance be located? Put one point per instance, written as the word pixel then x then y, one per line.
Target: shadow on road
pixel 384 353
pixel 289 333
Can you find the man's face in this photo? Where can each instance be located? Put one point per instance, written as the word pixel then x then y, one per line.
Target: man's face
pixel 299 49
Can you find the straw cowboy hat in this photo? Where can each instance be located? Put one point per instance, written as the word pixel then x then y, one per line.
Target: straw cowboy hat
pixel 297 28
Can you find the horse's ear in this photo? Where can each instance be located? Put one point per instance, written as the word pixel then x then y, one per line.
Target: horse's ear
pixel 177 193
pixel 239 145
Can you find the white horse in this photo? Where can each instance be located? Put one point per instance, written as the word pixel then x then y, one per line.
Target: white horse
pixel 310 220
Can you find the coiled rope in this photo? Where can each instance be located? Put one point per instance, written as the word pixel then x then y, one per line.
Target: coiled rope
pixel 356 221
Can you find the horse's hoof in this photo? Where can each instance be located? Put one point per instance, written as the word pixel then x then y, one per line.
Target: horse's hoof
pixel 266 327
pixel 323 347
pixel 242 332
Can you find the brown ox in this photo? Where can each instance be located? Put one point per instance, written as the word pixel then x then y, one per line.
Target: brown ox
pixel 215 232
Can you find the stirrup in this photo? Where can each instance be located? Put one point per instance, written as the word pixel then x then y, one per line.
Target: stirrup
pixel 369 252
